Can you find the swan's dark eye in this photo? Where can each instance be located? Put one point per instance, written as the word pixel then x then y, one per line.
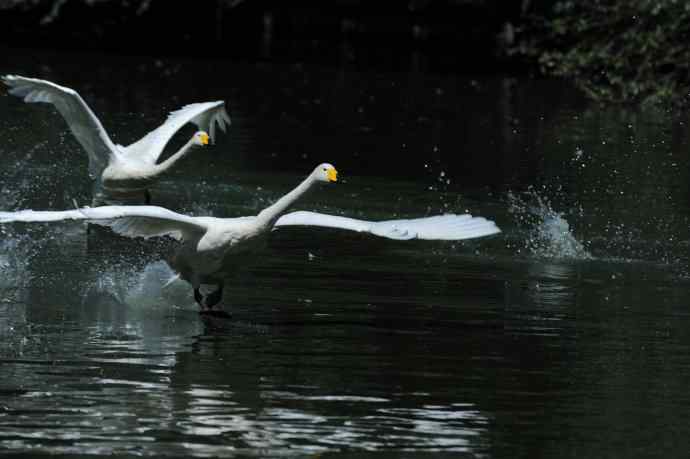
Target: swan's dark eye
pixel 324 169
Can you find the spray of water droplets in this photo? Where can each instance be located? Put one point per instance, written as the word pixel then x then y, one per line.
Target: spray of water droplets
pixel 548 234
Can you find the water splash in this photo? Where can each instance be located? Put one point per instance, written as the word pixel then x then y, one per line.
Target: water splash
pixel 152 286
pixel 16 249
pixel 157 283
pixel 548 233
pixel 15 184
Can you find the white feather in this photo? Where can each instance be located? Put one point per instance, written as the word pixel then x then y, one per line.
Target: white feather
pixel 131 221
pixel 440 227
pixel 85 126
pixel 206 115
pixel 31 216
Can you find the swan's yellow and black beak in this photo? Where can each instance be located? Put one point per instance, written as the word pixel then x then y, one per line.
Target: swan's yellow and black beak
pixel 332 174
pixel 204 138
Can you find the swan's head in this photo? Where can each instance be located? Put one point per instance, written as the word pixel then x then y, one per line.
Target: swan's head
pixel 325 173
pixel 200 138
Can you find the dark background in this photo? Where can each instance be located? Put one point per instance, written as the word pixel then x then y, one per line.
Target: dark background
pixel 439 35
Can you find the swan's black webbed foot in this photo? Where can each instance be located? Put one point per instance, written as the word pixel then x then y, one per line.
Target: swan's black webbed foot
pixel 206 304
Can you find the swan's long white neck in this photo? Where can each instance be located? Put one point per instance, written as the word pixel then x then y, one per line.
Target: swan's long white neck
pixel 270 214
pixel 164 166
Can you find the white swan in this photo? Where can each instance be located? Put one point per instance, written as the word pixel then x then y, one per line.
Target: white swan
pixel 122 169
pixel 212 248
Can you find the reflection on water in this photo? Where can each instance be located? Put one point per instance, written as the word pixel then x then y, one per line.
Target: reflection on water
pixel 238 386
pixel 563 336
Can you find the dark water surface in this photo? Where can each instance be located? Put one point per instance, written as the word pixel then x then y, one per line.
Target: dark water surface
pixel 568 335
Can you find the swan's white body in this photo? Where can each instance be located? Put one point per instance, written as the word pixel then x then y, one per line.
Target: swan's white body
pixel 119 168
pixel 213 247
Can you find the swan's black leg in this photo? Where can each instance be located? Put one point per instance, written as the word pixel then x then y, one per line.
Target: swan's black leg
pixel 147 197
pixel 199 298
pixel 214 298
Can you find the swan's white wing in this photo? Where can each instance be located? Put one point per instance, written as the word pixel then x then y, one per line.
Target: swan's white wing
pixel 146 221
pixel 40 216
pixel 443 227
pixel 132 221
pixel 206 115
pixel 80 119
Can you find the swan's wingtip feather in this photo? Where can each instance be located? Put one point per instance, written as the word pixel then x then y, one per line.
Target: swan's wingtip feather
pixel 10 79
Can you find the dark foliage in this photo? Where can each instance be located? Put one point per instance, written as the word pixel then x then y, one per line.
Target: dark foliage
pixel 616 51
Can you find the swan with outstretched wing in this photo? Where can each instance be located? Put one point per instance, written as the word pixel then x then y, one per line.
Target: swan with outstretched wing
pixel 122 169
pixel 210 245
